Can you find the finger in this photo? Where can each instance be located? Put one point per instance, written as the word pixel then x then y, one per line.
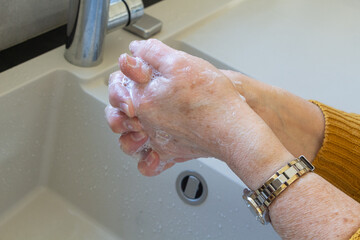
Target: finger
pixel 132 141
pixel 158 169
pixel 135 69
pixel 153 52
pixel 167 166
pixel 149 163
pixel 119 122
pixel 119 97
pixel 117 77
pixel 179 160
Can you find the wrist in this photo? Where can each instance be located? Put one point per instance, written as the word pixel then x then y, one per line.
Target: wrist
pixel 298 123
pixel 261 168
pixel 256 154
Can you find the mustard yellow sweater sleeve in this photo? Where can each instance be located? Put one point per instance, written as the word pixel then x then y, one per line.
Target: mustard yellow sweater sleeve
pixel 356 236
pixel 338 160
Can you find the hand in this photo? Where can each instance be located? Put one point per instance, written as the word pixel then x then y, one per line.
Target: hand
pixel 298 123
pixel 187 108
pixel 183 107
pixel 176 106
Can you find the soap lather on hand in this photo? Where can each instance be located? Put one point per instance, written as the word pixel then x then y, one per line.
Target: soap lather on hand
pixel 167 106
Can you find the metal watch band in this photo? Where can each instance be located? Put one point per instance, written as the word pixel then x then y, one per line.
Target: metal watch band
pixel 278 182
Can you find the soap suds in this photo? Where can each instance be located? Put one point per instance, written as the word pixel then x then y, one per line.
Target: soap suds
pixel 161 137
pixel 181 144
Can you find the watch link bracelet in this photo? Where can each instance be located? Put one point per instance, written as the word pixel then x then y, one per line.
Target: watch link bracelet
pixel 258 201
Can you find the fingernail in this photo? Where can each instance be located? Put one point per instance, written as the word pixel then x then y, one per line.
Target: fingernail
pixel 107 109
pixel 128 126
pixel 150 159
pixel 133 45
pixel 138 136
pixel 124 108
pixel 110 81
pixel 113 77
pixel 132 62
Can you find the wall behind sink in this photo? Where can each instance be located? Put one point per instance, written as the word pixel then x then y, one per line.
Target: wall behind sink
pixel 24 19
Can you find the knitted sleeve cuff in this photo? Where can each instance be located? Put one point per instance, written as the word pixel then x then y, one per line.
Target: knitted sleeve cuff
pixel 356 236
pixel 338 160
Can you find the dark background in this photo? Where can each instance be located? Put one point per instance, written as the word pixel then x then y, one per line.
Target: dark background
pixel 31 48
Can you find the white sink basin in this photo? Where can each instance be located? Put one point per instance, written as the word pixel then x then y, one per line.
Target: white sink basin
pixel 62 175
pixel 62 167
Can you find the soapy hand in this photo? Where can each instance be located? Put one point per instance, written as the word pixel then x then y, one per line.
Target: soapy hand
pixel 170 107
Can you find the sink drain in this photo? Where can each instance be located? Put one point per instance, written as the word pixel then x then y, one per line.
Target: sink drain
pixel 191 187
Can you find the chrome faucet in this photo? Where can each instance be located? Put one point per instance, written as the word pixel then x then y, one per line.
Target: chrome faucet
pixel 89 21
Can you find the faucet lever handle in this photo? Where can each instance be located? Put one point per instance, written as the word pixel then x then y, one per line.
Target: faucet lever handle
pixel 145 27
pixel 124 12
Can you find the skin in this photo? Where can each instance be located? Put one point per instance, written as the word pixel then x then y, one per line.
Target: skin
pixel 183 108
pixel 285 113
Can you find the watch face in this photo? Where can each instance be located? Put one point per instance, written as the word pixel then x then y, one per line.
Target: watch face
pixel 254 209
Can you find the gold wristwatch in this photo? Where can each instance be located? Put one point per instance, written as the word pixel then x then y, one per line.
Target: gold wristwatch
pixel 258 201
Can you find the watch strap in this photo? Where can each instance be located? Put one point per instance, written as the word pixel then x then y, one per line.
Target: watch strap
pixel 278 182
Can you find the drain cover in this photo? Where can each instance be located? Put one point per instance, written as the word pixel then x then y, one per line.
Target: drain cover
pixel 191 187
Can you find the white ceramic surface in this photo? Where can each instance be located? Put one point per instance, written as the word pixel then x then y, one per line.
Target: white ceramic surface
pixel 62 175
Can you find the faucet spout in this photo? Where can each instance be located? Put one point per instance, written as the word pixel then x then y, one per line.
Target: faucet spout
pixel 88 23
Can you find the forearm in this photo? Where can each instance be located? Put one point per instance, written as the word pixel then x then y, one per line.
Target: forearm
pixel 183 113
pixel 338 160
pixel 298 123
pixel 312 208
